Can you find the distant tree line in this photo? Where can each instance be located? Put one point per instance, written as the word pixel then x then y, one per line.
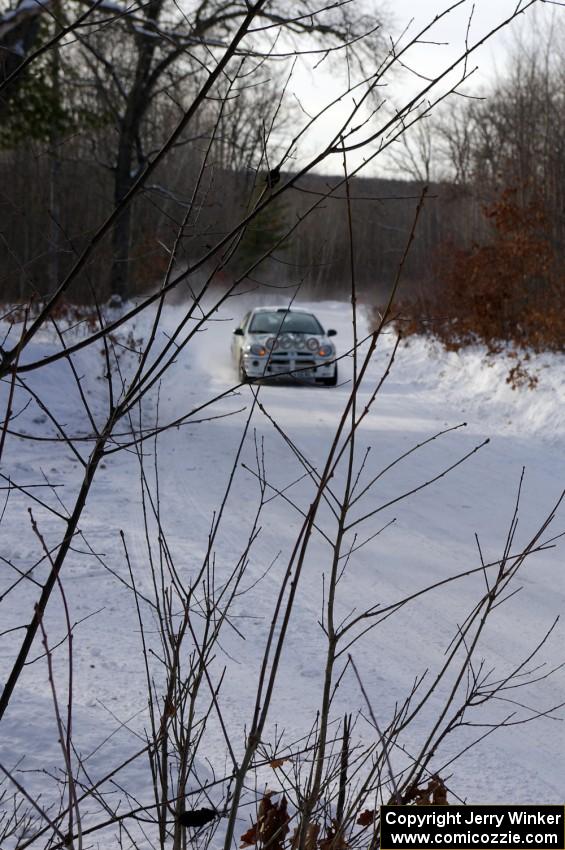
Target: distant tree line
pixel 314 257
pixel 79 126
pixel 111 105
pixel 502 278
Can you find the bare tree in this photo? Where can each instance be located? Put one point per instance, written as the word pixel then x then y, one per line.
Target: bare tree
pixel 416 154
pixel 168 57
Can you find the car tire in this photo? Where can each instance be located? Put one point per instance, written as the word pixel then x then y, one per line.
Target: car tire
pixel 242 373
pixel 331 382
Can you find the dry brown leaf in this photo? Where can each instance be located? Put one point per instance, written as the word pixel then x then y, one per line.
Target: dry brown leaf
pixel 439 791
pixel 249 838
pixel 435 794
pixel 312 836
pixel 366 818
pixel 272 824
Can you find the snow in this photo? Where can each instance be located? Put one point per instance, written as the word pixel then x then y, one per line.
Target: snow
pixel 12 17
pixel 433 538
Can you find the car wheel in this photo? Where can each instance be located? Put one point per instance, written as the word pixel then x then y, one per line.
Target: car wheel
pixel 331 382
pixel 242 373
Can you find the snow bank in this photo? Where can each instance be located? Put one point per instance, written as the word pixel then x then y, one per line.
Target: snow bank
pixel 476 383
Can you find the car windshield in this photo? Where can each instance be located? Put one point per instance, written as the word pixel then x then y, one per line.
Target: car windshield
pixel 283 322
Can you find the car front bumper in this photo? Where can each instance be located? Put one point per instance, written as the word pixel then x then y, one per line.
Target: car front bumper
pixel 301 367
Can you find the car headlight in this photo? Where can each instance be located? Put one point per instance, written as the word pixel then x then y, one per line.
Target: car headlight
pixel 257 349
pixel 326 350
pixel 312 344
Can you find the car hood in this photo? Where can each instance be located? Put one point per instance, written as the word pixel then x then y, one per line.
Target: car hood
pixel 287 341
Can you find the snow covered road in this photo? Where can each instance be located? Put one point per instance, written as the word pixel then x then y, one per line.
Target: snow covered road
pixel 431 539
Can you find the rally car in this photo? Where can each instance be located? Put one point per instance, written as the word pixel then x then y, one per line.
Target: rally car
pixel 284 343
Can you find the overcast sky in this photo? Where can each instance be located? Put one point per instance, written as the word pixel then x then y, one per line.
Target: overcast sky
pixel 447 43
pixel 487 14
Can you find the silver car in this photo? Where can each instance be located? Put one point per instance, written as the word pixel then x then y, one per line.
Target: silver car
pixel 289 343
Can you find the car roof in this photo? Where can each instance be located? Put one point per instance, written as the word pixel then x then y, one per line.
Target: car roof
pixel 283 309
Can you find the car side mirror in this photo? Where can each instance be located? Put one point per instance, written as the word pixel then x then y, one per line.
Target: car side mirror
pixel 238 332
pixel 331 332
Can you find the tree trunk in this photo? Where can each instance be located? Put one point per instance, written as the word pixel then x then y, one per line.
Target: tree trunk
pixel 55 171
pixel 17 39
pixel 129 143
pixel 119 272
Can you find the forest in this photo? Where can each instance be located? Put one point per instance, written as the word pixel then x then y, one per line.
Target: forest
pixel 89 115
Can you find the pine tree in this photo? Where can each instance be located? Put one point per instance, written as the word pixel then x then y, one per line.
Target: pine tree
pixel 262 235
